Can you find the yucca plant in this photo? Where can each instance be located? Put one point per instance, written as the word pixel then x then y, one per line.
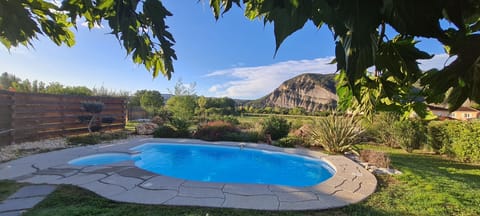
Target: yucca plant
pixel 336 133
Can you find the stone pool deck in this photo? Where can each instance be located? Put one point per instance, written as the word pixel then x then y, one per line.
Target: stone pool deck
pixel 124 182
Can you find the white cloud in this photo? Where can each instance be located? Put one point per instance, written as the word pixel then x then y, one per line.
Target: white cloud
pixel 95 26
pixel 254 82
pixel 214 88
pixel 438 61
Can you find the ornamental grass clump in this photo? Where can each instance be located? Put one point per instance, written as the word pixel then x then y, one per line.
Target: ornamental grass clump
pixel 336 133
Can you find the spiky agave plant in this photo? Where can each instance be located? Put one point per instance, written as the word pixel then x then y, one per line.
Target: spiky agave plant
pixel 337 133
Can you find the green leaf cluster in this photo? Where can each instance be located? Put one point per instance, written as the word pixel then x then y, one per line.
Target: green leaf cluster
pixel 277 127
pixel 139 26
pixel 21 21
pixel 455 138
pixel 358 29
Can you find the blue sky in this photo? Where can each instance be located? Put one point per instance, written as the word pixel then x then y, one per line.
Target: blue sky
pixel 230 57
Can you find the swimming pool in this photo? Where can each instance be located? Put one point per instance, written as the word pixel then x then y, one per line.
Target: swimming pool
pixel 212 163
pixel 101 159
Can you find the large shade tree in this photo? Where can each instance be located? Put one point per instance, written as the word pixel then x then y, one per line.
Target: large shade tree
pixel 358 28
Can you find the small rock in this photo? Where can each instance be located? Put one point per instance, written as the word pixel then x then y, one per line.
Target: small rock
pixel 387 171
pixel 146 128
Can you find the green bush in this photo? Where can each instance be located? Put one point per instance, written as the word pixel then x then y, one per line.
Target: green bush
pixel 181 127
pixel 437 137
pixel 466 145
pixel 230 119
pixel 95 138
pixel 289 141
pixel 113 136
pixel 89 139
pixel 409 134
pixel 457 139
pixel 215 130
pixel 335 133
pixel 165 131
pixel 380 129
pixel 92 106
pixel 277 127
pixel 242 136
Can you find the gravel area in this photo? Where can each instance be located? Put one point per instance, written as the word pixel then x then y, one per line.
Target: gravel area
pixel 15 151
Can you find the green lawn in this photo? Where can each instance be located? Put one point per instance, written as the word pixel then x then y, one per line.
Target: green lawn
pixel 7 188
pixel 430 185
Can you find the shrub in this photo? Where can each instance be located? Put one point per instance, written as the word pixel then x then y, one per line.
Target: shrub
pixel 181 126
pixel 275 126
pixel 230 119
pixel 466 143
pixel 303 133
pixel 84 118
pixel 89 139
pixel 380 129
pixel 335 133
pixel 296 124
pixel 158 120
pixel 165 131
pixel 409 134
pixel 289 141
pixel 215 130
pixel 113 136
pixel 375 158
pixel 94 108
pixel 95 138
pixel 242 136
pixel 437 137
pixel 456 138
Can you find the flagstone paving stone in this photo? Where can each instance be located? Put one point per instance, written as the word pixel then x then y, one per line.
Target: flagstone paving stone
pixel 124 182
pixel 25 198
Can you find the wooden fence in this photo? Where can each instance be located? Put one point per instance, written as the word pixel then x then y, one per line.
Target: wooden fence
pixel 136 112
pixel 31 116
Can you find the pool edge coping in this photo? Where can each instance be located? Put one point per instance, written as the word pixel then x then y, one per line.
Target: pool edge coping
pixel 350 184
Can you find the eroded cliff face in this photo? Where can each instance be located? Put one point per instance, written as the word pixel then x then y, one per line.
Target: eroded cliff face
pixel 310 91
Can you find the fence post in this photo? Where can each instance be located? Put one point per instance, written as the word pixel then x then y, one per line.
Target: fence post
pixel 13 98
pixel 62 113
pixel 125 113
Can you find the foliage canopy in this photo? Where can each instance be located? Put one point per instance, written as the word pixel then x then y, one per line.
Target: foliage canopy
pixel 358 28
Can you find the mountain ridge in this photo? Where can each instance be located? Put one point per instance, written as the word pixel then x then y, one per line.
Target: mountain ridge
pixel 310 91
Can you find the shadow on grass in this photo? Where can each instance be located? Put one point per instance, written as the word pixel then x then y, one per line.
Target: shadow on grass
pixel 70 200
pixel 429 166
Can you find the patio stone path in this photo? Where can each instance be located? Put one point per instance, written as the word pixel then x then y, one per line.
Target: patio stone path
pixel 25 198
pixel 124 182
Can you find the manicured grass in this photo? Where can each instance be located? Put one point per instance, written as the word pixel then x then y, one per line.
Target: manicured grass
pixel 430 185
pixel 7 188
pixel 68 200
pixel 130 126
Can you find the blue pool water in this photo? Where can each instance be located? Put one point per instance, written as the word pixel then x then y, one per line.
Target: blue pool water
pixel 100 159
pixel 229 164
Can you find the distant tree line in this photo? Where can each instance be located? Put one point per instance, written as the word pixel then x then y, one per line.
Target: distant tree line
pixel 12 83
pixel 324 111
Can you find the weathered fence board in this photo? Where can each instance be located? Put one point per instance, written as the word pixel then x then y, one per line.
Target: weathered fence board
pixel 31 116
pixel 136 112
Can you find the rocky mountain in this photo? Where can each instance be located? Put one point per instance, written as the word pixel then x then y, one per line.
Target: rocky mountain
pixel 310 91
